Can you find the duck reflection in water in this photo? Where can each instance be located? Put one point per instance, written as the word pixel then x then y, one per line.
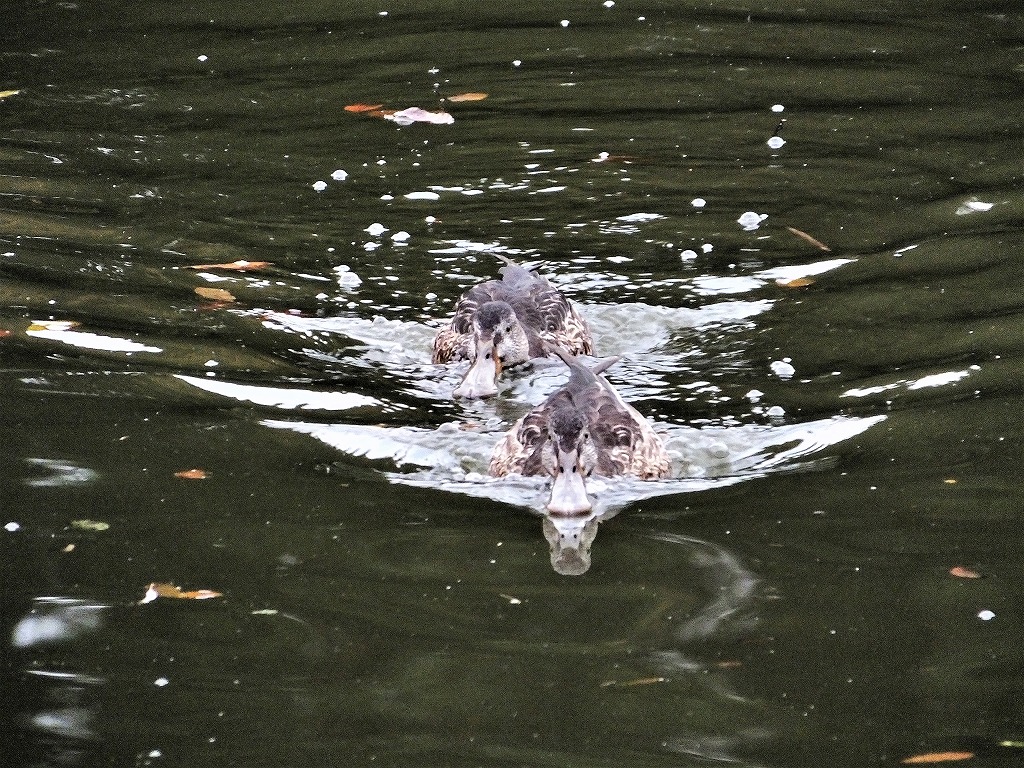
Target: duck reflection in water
pixel 583 429
pixel 502 323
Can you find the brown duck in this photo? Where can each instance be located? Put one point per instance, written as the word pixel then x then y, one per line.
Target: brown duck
pixel 583 429
pixel 502 323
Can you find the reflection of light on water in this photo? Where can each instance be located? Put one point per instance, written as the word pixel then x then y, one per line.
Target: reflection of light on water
pixel 85 340
pixel 61 472
pixel 630 329
pixel 54 619
pixel 455 458
pixel 713 286
pixel 276 397
pixel 925 382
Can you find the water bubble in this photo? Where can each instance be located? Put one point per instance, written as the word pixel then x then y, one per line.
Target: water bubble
pixel 564 22
pixel 376 229
pixel 777 108
pixel 401 236
pixel 339 175
pixel 12 527
pixel 698 202
pixel 986 615
pixel 688 255
pixel 783 368
pixel 319 186
pixel 776 142
pixel 751 220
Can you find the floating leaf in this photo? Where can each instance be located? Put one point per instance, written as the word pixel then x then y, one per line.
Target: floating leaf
pixel 6 94
pixel 800 282
pixel 239 266
pixel 963 573
pixel 1011 743
pixel 363 107
pixel 155 590
pixel 192 474
pixel 937 757
pixel 637 681
pixel 90 525
pixel 216 294
pixel 950 481
pixel 4 333
pixel 512 600
pixel 475 96
pixel 68 548
pixel 417 115
pixel 53 325
pixel 809 238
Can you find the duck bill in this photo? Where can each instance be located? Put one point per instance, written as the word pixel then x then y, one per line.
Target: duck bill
pixel 482 377
pixel 568 492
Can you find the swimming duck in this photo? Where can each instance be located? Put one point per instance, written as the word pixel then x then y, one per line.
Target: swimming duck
pixel 582 429
pixel 506 322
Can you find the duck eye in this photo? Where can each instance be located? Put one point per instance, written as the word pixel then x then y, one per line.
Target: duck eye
pixel 574 469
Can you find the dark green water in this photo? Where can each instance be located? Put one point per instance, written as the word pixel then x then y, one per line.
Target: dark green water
pixel 784 601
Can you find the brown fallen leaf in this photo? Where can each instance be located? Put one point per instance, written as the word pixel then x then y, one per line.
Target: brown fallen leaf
pixel 475 96
pixel 363 107
pixel 937 757
pixel 729 664
pixel 809 238
pixel 192 474
pixel 239 266
pixel 4 333
pixel 963 573
pixel 156 589
pixel 800 282
pixel 637 681
pixel 216 294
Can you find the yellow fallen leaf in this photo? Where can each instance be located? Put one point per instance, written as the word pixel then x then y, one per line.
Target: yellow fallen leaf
pixel 68 548
pixel 475 96
pixel 90 525
pixel 216 294
pixel 239 266
pixel 53 325
pixel 937 757
pixel 5 94
pixel 192 474
pixel 810 239
pixel 950 481
pixel 800 282
pixel 157 589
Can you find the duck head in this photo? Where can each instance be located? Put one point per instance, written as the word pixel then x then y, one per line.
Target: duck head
pixel 569 455
pixel 499 340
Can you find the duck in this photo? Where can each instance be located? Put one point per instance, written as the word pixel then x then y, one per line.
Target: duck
pixel 583 429
pixel 503 323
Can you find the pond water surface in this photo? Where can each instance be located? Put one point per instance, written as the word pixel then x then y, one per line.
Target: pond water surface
pixel 800 226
